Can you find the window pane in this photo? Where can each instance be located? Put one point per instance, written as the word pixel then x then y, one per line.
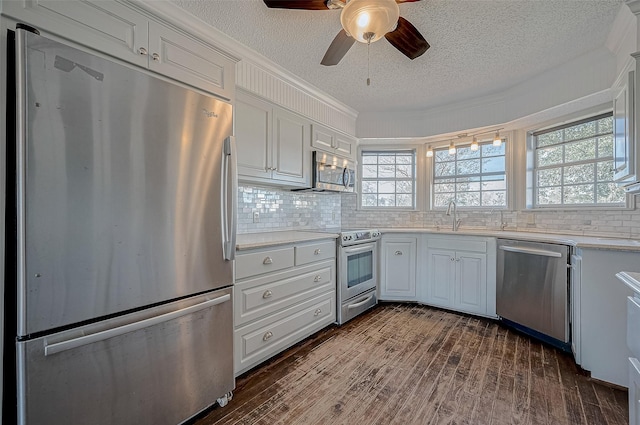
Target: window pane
pixel 442 199
pixel 369 171
pixel 404 186
pixel 549 195
pixel 605 171
pixel 605 147
pixel 369 187
pixel 443 155
pixel 550 177
pixel 580 151
pixel 404 159
pixel 579 194
pixel 494 198
pixel 579 174
pixel 610 193
pixel 404 200
pixel 386 200
pixel 369 200
pixel 471 184
pixel 468 199
pixel 369 159
pixel 580 131
pixel 386 159
pixel 445 169
pixel 385 171
pixel 490 150
pixel 466 153
pixel 404 171
pixel 605 125
pixel 493 165
pixel 445 185
pixel 494 183
pixel 385 186
pixel 471 166
pixel 549 138
pixel 549 156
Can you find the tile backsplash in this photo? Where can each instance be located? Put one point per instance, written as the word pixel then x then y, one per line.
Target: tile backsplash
pixel 612 223
pixel 285 210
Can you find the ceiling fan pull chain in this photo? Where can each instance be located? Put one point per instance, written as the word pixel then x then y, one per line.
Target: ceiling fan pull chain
pixel 368 63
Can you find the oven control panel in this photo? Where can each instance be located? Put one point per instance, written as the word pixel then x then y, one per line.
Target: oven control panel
pixel 358 236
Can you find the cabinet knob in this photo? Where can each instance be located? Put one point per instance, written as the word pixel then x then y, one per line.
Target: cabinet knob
pixel 452 259
pixel 267 260
pixel 457 259
pixel 142 51
pixel 398 252
pixel 267 294
pixel 316 252
pixel 267 336
pixel 317 312
pixel 155 57
pixel 317 278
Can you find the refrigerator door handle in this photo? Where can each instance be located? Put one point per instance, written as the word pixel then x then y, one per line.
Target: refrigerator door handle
pixel 58 347
pixel 229 183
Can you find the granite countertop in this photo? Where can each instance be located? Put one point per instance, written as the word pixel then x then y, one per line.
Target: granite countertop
pixel 260 240
pixel 631 279
pixel 580 241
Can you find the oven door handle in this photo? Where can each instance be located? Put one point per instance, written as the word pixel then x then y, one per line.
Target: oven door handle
pixel 532 251
pixel 351 250
pixel 359 302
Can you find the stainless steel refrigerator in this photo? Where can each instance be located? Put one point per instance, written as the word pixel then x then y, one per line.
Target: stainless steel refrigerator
pixel 126 194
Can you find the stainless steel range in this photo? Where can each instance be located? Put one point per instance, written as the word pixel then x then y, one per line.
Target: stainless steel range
pixel 357 272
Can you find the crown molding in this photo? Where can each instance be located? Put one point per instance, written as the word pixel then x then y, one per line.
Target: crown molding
pixel 623 27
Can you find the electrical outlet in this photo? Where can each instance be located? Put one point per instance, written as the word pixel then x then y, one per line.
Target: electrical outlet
pixel 256 217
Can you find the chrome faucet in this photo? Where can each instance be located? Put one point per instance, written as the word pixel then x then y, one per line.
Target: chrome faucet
pixel 456 222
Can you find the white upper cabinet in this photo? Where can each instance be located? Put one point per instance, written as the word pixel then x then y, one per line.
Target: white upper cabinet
pixel 273 144
pixel 398 268
pixel 328 140
pixel 623 131
pixel 114 28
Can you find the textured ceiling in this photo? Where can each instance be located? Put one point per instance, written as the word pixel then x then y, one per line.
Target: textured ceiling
pixel 478 47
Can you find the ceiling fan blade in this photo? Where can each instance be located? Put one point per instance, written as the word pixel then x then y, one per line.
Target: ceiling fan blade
pixel 297 4
pixel 407 39
pixel 338 48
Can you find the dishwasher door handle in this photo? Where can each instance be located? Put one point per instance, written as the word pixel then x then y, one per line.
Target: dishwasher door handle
pixel 532 251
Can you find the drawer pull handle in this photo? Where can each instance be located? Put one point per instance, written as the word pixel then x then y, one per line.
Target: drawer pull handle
pixel 267 336
pixel 267 294
pixel 398 252
pixel 267 260
pixel 317 312
pixel 317 278
pixel 316 252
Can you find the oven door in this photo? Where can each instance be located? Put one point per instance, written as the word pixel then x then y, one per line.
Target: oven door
pixel 358 270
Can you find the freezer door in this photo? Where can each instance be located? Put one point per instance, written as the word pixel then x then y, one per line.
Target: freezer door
pixel 125 188
pixel 157 366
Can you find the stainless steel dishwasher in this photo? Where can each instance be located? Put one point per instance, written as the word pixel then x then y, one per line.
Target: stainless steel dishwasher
pixel 532 289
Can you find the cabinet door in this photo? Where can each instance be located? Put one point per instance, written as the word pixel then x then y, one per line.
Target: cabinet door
pixel 253 137
pixel 106 26
pixel 322 138
pixel 185 59
pixel 398 280
pixel 623 152
pixel 471 282
pixel 634 391
pixel 441 270
pixel 345 146
pixel 291 159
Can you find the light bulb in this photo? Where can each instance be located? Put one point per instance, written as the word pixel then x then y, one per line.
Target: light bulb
pixel 429 152
pixel 452 149
pixel 474 144
pixel 497 141
pixel 369 20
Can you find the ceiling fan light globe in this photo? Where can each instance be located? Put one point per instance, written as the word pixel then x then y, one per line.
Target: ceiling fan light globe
pixel 362 18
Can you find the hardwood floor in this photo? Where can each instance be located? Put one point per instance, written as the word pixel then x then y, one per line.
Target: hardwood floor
pixel 410 364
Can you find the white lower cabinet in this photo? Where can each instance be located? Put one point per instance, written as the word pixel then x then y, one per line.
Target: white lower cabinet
pixel 398 268
pixel 281 295
pixel 634 391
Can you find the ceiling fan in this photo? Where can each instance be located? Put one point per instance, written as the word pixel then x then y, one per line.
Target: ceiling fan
pixel 365 21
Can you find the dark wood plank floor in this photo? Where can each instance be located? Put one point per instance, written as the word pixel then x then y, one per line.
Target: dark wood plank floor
pixel 409 364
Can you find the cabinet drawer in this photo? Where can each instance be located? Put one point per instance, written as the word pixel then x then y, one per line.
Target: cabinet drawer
pixel 255 263
pixel 260 340
pixel 633 324
pixel 254 298
pixel 454 243
pixel 315 252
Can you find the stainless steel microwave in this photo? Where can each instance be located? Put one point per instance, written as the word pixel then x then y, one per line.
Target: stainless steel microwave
pixel 332 173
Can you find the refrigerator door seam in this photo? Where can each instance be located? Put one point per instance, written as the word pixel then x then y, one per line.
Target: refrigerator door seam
pixel 111 333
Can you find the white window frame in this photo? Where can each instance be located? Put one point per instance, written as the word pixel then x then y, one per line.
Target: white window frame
pixel 418 184
pixel 507 171
pixel 531 166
